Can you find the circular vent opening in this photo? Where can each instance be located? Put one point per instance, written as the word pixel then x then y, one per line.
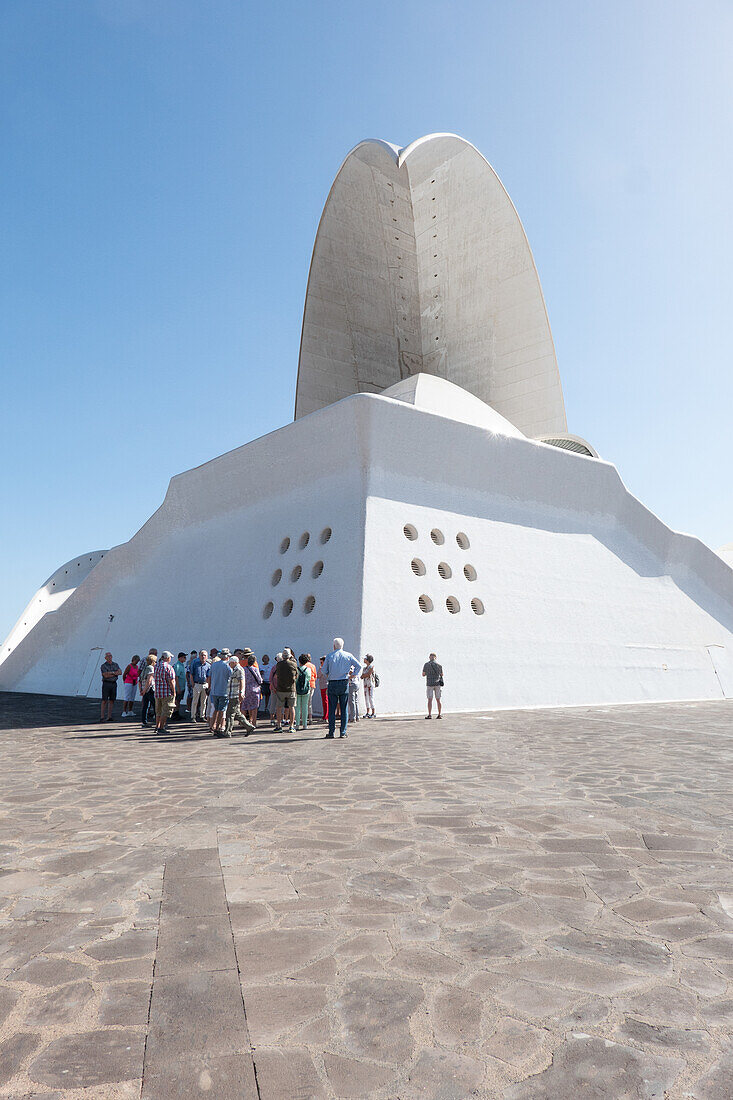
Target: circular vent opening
pixel 418 567
pixel 326 534
pixel 304 540
pixel 287 607
pixel 445 570
pixel 469 573
pixel 463 540
pixel 453 605
pixel 277 576
pixel 476 606
pixel 317 569
pixel 425 603
pixel 285 545
pixel 437 536
pixel 295 575
pixel 409 532
pixel 267 610
pixel 310 603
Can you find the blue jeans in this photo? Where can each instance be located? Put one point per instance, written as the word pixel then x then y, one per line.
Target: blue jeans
pixel 338 692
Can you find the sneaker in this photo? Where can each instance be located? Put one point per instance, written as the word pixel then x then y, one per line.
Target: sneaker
pixel 293 729
pixel 328 735
pixel 343 736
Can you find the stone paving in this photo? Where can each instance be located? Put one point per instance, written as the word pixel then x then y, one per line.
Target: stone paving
pixel 526 905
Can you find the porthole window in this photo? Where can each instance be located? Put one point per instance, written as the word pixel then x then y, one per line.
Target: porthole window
pixel 304 540
pixel 445 570
pixel 425 603
pixel 463 540
pixel 453 605
pixel 268 610
pixel 410 532
pixel 285 545
pixel 326 535
pixel 418 567
pixel 295 575
pixel 310 603
pixel 437 536
pixel 469 573
pixel 277 576
pixel 287 607
pixel 317 569
pixel 476 606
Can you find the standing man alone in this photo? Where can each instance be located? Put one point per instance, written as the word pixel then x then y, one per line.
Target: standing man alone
pixel 110 671
pixel 433 673
pixel 336 668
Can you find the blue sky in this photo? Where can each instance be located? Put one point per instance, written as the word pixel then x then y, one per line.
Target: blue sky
pixel 164 164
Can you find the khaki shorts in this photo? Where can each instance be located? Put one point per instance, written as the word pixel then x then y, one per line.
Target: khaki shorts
pixel 164 707
pixel 434 691
pixel 285 700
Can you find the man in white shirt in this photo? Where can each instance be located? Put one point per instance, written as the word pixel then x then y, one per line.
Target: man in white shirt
pixel 337 667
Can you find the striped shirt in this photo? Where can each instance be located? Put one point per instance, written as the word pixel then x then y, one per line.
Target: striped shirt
pixel 165 681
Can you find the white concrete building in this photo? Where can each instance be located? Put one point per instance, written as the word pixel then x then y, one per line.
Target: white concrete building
pixel 422 514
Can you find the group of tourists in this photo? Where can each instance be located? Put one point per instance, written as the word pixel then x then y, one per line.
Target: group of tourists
pixel 221 689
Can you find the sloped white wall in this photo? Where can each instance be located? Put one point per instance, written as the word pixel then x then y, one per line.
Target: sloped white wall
pixel 588 597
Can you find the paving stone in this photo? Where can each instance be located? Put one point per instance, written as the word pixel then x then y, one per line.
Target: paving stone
pixel 219 1076
pixel 443 1075
pixel 194 1012
pixel 272 1010
pixel 717 1083
pixel 14 1051
pixel 515 1041
pixel 374 1014
pixel 653 909
pixel 8 1001
pixel 597 1069
pixel 350 1078
pixel 455 1016
pixel 674 1038
pixel 49 971
pixel 422 962
pixel 188 944
pixel 287 1073
pixel 638 953
pixel 248 915
pixel 90 1058
pixel 494 941
pixel 664 1004
pixel 574 974
pixel 129 945
pixel 533 999
pixel 125 1003
pixel 195 896
pixel 59 1006
pixel 711 947
pixel 676 843
pixel 277 951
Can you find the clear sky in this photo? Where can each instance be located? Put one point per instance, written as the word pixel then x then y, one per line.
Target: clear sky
pixel 163 166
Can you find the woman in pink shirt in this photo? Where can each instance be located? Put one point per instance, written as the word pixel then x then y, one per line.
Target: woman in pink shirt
pixel 130 677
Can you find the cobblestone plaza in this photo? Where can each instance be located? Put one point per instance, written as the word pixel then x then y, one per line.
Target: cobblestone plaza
pixel 525 905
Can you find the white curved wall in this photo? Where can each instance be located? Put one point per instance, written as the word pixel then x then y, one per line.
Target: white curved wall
pixel 588 597
pixel 51 595
pixel 421 264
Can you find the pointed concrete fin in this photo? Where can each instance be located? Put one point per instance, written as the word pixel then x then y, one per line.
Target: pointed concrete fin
pixel 438 395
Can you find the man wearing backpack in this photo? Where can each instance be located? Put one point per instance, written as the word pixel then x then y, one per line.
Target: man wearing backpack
pixel 302 692
pixel 286 672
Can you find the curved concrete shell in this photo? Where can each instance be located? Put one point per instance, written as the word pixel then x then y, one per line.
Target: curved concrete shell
pixel 421 265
